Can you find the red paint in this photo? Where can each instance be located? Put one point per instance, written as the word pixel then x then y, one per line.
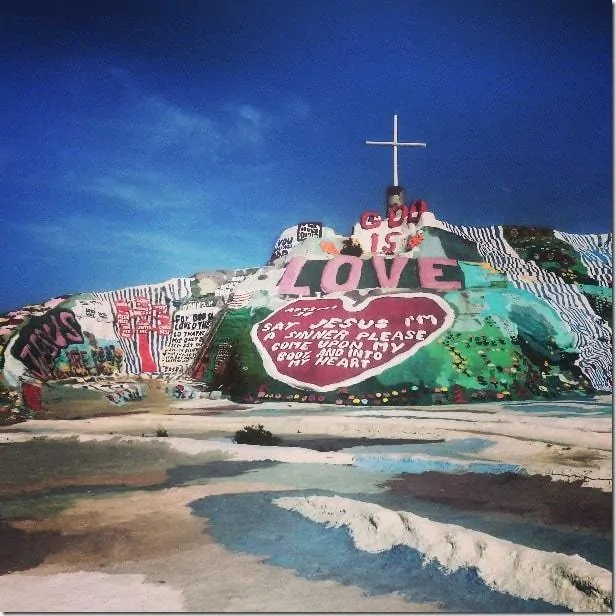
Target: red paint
pixel 396 215
pixel 390 244
pixel 123 319
pixel 370 220
pixel 31 395
pixel 374 242
pixel 143 324
pixel 327 343
pixel 414 241
pixel 419 206
pixel 145 353
pixel 137 320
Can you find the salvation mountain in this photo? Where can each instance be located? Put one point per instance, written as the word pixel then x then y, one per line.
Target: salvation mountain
pixel 406 309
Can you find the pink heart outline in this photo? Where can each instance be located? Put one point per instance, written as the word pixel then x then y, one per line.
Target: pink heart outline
pixel 347 306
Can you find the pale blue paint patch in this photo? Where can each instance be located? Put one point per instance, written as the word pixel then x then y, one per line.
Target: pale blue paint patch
pixel 453 448
pixel 415 466
pixel 477 275
pixel 339 479
pixel 450 457
pixel 582 408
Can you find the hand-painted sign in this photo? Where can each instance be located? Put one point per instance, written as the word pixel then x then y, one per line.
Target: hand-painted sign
pixel 142 319
pixel 389 235
pixel 190 325
pixel 309 229
pixel 139 318
pixel 331 342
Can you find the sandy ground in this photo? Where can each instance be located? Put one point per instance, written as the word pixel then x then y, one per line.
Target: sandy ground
pixel 98 514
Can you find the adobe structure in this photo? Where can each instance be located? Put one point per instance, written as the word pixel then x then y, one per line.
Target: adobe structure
pixel 405 309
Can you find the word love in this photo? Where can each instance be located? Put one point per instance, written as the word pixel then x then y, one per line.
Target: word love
pixel 346 273
pixel 327 343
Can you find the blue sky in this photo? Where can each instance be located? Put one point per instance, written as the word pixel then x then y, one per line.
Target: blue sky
pixel 147 139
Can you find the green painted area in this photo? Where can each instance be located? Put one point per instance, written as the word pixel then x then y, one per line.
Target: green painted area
pixel 504 344
pixel 483 350
pixel 548 252
pixel 431 245
pixel 481 275
pixel 234 362
pixel 601 300
pixel 441 243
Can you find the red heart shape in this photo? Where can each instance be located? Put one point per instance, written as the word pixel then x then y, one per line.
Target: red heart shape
pixel 325 343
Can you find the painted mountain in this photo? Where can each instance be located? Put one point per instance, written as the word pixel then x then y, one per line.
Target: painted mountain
pixel 406 309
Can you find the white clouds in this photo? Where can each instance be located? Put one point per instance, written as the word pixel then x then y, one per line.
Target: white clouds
pixel 137 185
pixel 250 124
pixel 97 238
pixel 159 251
pixel 147 190
pixel 215 133
pixel 153 154
pixel 158 123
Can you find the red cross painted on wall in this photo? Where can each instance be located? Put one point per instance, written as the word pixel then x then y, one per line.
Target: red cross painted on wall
pixel 139 318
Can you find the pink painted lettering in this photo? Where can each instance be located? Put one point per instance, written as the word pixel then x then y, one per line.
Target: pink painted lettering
pixel 397 267
pixel 72 330
pixel 330 273
pixel 430 273
pixel 290 276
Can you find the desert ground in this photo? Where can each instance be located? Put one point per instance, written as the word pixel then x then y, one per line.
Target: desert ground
pixel 152 506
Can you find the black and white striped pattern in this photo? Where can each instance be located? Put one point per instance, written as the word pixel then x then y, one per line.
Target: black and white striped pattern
pixel 239 299
pixel 592 334
pixel 164 293
pixel 596 253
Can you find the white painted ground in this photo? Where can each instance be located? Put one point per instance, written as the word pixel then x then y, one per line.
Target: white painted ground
pixel 508 567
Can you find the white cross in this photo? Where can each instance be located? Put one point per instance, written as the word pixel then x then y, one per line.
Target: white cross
pixel 395 143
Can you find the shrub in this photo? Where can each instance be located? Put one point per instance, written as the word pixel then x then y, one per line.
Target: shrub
pixel 352 247
pixel 255 435
pixel 162 432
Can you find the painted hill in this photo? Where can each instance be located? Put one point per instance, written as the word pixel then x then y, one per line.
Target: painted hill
pixel 406 309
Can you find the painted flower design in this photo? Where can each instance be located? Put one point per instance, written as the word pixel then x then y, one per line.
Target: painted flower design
pixel 414 241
